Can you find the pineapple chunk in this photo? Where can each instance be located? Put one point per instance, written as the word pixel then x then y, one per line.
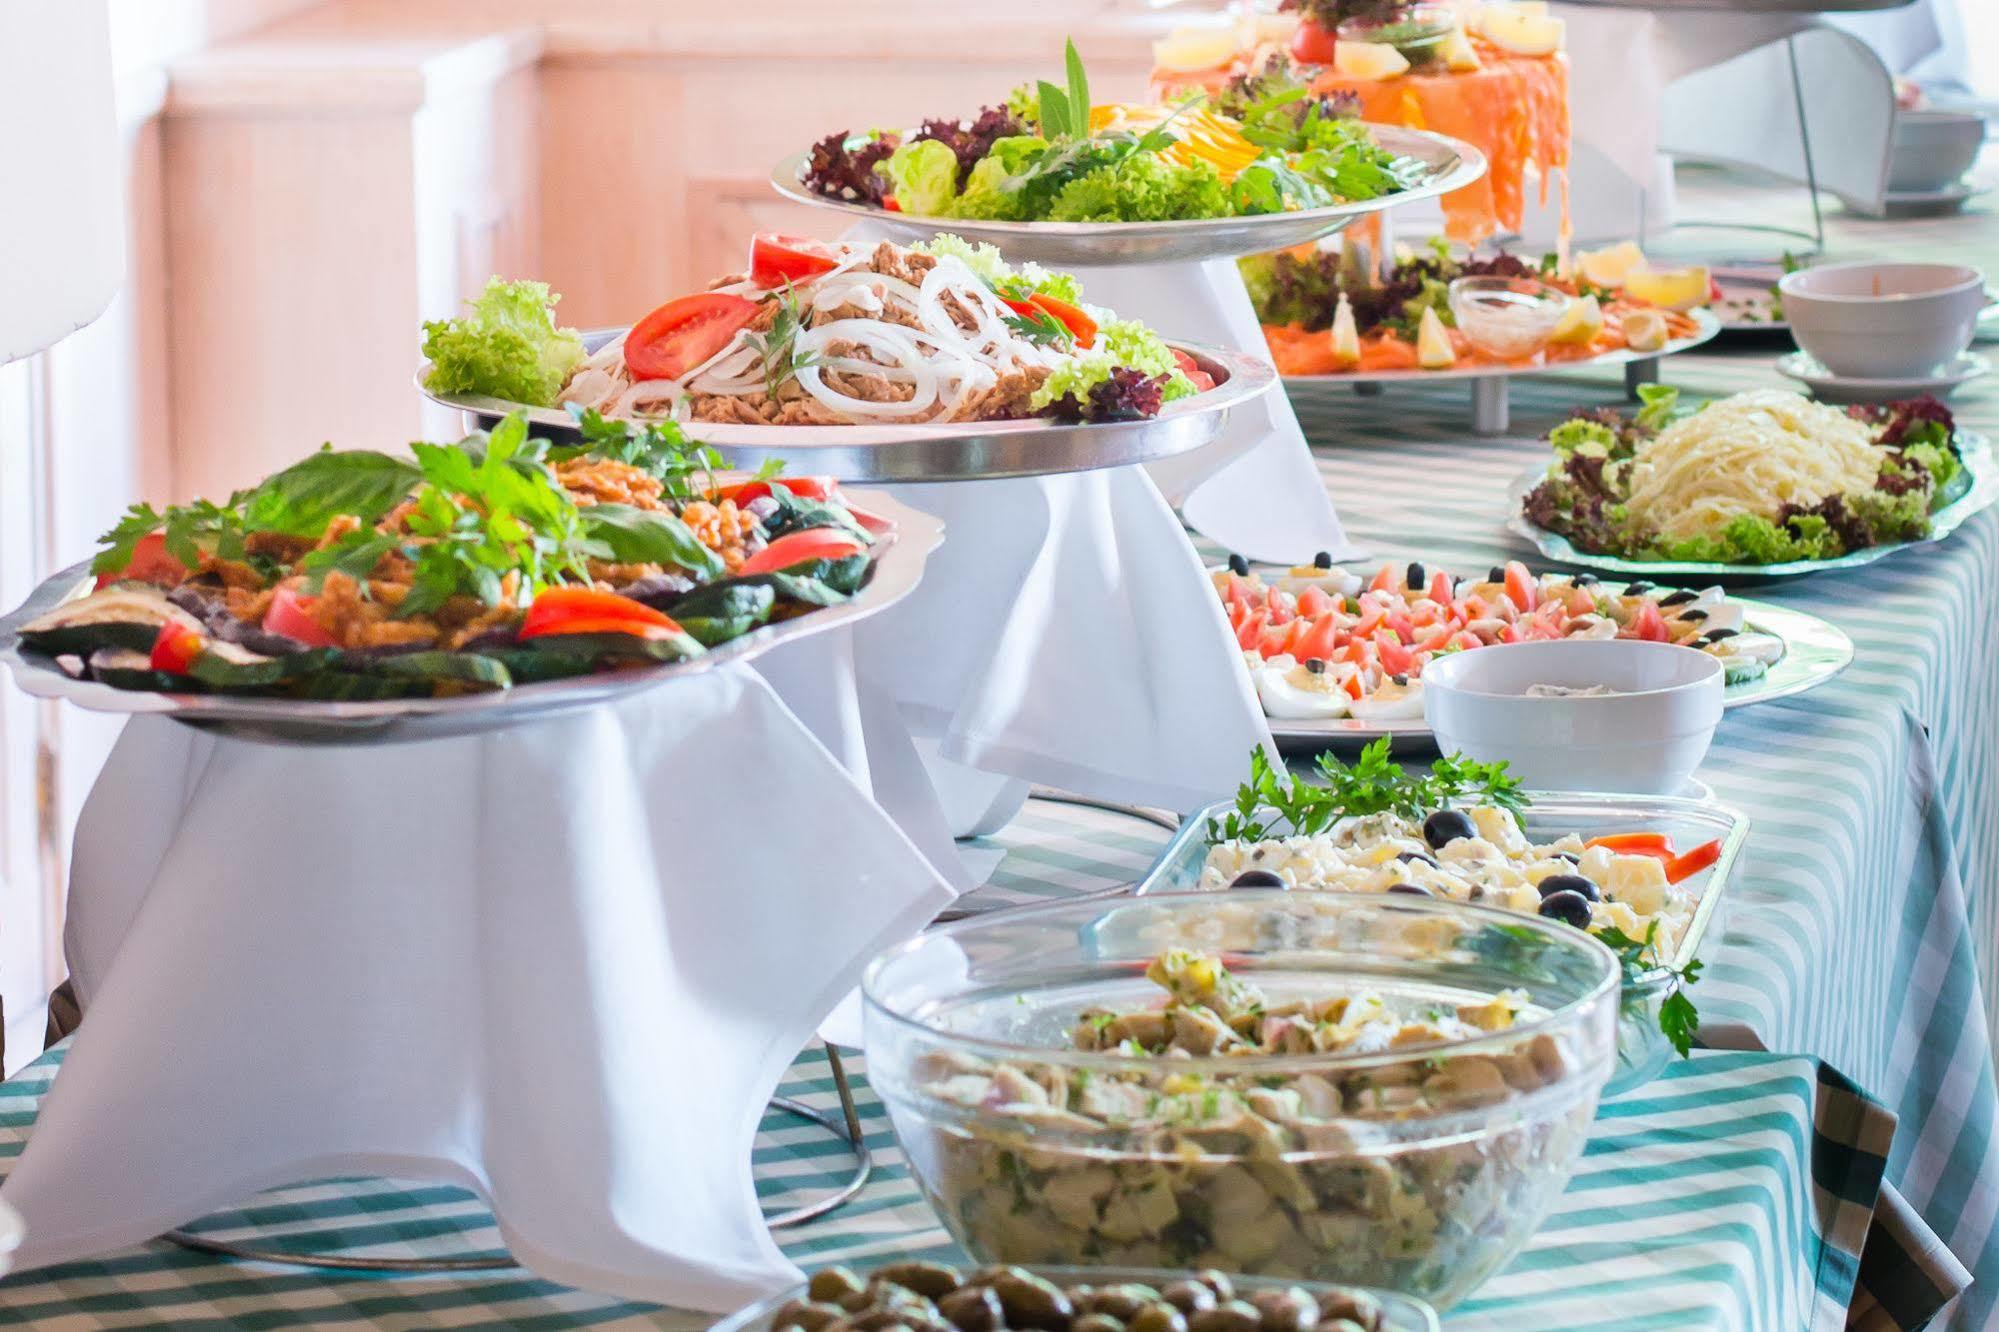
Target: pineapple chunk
pixel 1345 334
pixel 1580 323
pixel 1369 60
pixel 1433 344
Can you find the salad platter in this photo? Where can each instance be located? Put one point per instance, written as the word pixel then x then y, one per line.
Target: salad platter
pixel 1052 175
pixel 1336 658
pixel 1705 327
pixel 355 598
pixel 1761 485
pixel 939 361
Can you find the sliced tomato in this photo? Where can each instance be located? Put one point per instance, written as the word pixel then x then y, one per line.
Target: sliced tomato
pixel 1199 378
pixel 1521 589
pixel 681 334
pixel 1249 633
pixel 175 648
pixel 1081 327
pixel 150 563
pixel 1385 580
pixel 776 260
pixel 585 610
pixel 814 543
pixel 889 205
pixel 1312 44
pixel 804 487
pixel 1648 624
pixel 1693 862
pixel 291 615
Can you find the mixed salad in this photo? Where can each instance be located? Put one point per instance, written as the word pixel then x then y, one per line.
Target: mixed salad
pixel 829 333
pixel 1263 144
pixel 1329 311
pixel 1764 477
pixel 499 560
pixel 1321 642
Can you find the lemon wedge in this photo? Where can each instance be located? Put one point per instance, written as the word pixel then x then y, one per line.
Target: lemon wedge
pixel 1580 323
pixel 1369 60
pixel 1190 50
pixel 1607 267
pixel 1644 330
pixel 1667 288
pixel 1433 344
pixel 1346 334
pixel 1512 28
pixel 1457 52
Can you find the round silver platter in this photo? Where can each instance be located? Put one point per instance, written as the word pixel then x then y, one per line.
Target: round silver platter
pixel 1448 164
pixel 1977 493
pixel 1709 327
pixel 947 451
pixel 897 571
pixel 1815 651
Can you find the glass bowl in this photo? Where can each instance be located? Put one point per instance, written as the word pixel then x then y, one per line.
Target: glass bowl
pixel 1417 1167
pixel 1507 317
pixel 1391 1312
pixel 1417 31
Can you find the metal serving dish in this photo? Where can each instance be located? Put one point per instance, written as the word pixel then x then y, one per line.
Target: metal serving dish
pixel 1642 1049
pixel 952 451
pixel 897 571
pixel 1448 164
pixel 1976 488
pixel 1400 1313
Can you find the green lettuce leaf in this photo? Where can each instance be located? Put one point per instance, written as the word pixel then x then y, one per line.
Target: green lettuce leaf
pixel 508 346
pixel 923 177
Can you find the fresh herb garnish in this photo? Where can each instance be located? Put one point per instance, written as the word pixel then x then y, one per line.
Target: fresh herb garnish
pixel 1065 113
pixel 778 348
pixel 1678 1018
pixel 1273 802
pixel 1041 328
pixel 684 468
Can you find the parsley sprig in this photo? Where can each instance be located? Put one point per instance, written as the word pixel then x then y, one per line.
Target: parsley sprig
pixel 1678 1018
pixel 1273 802
pixel 778 348
pixel 1041 328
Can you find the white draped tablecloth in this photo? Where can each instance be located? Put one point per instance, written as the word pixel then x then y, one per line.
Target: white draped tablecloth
pixel 563 965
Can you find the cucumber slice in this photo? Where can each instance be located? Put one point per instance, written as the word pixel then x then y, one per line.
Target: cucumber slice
pixel 230 668
pixel 528 665
pixel 619 647
pixel 713 631
pixel 727 600
pixel 125 668
pixel 458 668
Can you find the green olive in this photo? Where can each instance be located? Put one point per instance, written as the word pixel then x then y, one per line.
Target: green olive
pixel 1031 1302
pixel 1161 1317
pixel 1291 1310
pixel 1189 1297
pixel 1229 1316
pixel 927 1279
pixel 830 1284
pixel 973 1309
pixel 808 1315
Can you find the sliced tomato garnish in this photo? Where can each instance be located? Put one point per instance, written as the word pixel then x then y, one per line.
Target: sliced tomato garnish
pixel 814 543
pixel 150 563
pixel 291 615
pixel 683 333
pixel 776 260
pixel 585 610
pixel 803 487
pixel 1201 379
pixel 889 205
pixel 1693 862
pixel 175 648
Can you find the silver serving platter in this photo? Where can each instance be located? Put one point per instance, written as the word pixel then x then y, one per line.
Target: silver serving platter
pixel 898 569
pixel 1815 651
pixel 1977 494
pixel 1709 327
pixel 1448 163
pixel 949 451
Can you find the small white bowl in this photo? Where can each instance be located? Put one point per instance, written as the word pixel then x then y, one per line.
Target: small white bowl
pixel 1933 149
pixel 1872 320
pixel 1647 738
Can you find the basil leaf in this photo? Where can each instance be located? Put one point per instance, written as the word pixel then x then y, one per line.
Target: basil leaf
pixel 1079 92
pixel 303 498
pixel 646 536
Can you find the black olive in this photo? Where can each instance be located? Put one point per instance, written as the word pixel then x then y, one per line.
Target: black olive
pixel 1495 574
pixel 1569 883
pixel 1570 856
pixel 1693 616
pixel 1416 855
pixel 1639 588
pixel 1256 879
pixel 1447 826
pixel 1416 576
pixel 1568 906
pixel 1586 580
pixel 1238 566
pixel 1316 665
pixel 1716 635
pixel 1413 889
pixel 1400 679
pixel 1679 598
pixel 1323 560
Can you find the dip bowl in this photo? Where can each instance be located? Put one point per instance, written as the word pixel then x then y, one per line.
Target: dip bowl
pixel 1646 737
pixel 1933 149
pixel 1877 320
pixel 1510 318
pixel 1420 1168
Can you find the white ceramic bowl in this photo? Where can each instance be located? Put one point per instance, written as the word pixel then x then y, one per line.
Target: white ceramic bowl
pixel 1646 738
pixel 1870 320
pixel 1933 149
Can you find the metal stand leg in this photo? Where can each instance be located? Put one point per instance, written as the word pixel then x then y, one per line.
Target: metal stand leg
pixel 1490 406
pixel 848 1129
pixel 1640 372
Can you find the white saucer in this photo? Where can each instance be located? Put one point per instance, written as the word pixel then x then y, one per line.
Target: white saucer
pixel 1930 203
pixel 1825 385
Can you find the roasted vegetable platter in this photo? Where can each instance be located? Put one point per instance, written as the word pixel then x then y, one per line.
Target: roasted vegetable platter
pixel 361 597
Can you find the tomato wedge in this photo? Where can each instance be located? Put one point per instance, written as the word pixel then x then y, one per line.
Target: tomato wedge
pixel 291 615
pixel 1312 44
pixel 776 260
pixel 150 563
pixel 1693 862
pixel 1081 327
pixel 175 648
pixel 585 610
pixel 1201 379
pixel 681 334
pixel 814 543
pixel 803 487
